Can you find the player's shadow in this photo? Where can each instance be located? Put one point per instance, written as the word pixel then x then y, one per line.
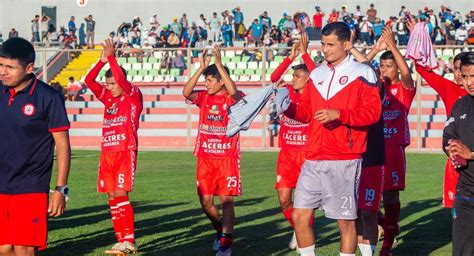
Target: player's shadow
pixel 426 234
pixel 88 242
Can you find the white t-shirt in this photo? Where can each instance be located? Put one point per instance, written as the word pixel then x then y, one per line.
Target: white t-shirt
pixel 365 27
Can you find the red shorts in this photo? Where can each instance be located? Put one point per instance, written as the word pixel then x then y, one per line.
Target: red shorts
pixel 117 171
pixel 451 177
pixel 218 176
pixel 370 188
pixel 395 168
pixel 23 220
pixel 288 168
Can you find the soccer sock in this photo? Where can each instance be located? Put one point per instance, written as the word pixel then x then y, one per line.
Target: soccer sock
pixel 287 213
pixel 217 226
pixel 346 254
pixel 307 251
pixel 390 229
pixel 226 240
pixel 115 219
pixel 365 249
pixel 126 218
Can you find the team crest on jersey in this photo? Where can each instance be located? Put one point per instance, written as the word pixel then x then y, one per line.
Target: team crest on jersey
pixel 214 110
pixel 394 91
pixel 112 110
pixel 343 80
pixel 29 109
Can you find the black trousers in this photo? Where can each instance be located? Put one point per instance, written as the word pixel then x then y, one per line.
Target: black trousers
pixel 463 226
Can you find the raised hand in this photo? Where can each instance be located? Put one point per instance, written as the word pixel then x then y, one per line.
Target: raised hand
pixel 388 38
pixel 411 22
pixel 304 42
pixel 109 48
pixel 295 50
pixel 204 60
pixel 216 52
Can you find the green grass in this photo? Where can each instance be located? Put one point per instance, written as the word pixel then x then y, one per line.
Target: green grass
pixel 169 220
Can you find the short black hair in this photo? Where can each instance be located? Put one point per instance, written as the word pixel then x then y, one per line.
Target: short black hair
pixel 301 67
pixel 467 59
pixel 212 70
pixel 71 78
pixel 388 55
pixel 459 56
pixel 109 72
pixel 340 29
pixel 19 49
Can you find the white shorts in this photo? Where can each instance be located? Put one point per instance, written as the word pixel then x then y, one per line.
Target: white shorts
pixel 330 184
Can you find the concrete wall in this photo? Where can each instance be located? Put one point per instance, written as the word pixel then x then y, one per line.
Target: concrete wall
pixel 110 13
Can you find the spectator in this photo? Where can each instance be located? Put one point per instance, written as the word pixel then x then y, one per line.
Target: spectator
pixel 360 46
pixel 365 30
pixel 176 27
pixel 265 21
pixel 72 25
pixel 70 41
pixel 377 28
pixel 210 45
pixel 13 33
pixel 318 20
pixel 289 23
pixel 136 36
pixel 461 35
pixel 73 88
pixel 358 13
pixel 214 28
pixel 124 28
pixel 226 16
pixel 173 40
pixel 35 29
pixel 344 12
pixel 333 16
pixel 226 30
pixel 165 62
pixel 439 37
pixel 125 51
pixel 239 27
pixel 403 11
pixel 178 61
pixel 137 23
pixel 161 42
pixel 90 28
pixel 154 22
pixel 202 25
pixel 281 21
pixel 44 26
pixel 122 40
pixel 402 32
pixel 371 14
pixel 184 22
pixel 152 37
pixel 275 34
pixel 193 33
pixel 450 33
pixel 257 31
pixel 164 33
pixel 470 40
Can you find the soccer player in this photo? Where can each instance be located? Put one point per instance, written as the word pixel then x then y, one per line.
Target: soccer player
pixel 34 121
pixel 450 92
pixel 340 103
pixel 399 93
pixel 458 143
pixel 123 104
pixel 293 134
pixel 218 167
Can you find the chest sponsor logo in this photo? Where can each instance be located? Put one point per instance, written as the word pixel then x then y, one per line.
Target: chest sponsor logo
pixel 391 115
pixel 389 132
pixel 212 129
pixel 463 116
pixel 343 80
pixel 211 117
pixel 215 146
pixel 214 110
pixel 113 139
pixel 295 138
pixel 119 120
pixel 29 109
pixel 112 110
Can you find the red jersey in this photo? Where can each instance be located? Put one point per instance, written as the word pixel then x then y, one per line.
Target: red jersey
pixel 293 134
pixel 333 17
pixel 449 91
pixel 121 114
pixel 211 141
pixel 318 20
pixel 396 107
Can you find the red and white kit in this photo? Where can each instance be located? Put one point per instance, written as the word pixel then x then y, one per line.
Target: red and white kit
pixel 396 107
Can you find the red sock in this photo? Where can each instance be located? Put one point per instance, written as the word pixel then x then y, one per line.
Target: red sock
pixel 126 218
pixel 226 240
pixel 287 213
pixel 217 226
pixel 115 219
pixel 311 221
pixel 390 228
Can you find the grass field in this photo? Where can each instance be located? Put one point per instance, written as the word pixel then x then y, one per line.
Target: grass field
pixel 169 220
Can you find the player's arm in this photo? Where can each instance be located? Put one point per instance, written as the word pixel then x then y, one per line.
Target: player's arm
pixel 304 52
pixel 358 56
pixel 119 76
pixel 379 46
pixel 95 87
pixel 228 83
pixel 405 72
pixel 188 90
pixel 301 110
pixel 278 72
pixel 57 202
